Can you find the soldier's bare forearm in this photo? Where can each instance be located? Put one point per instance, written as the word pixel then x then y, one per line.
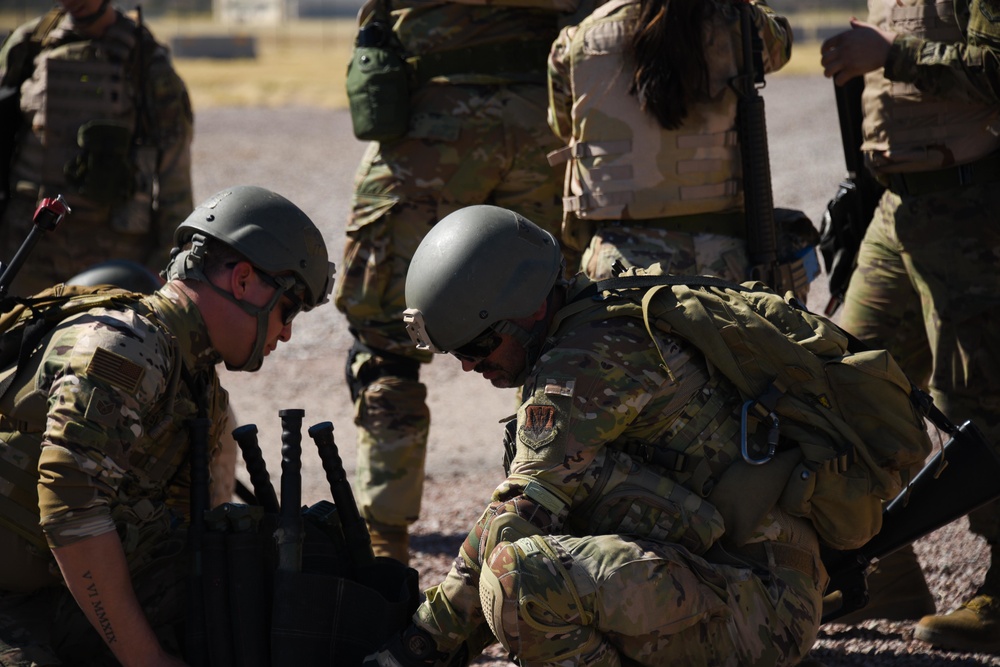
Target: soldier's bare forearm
pixel 97 575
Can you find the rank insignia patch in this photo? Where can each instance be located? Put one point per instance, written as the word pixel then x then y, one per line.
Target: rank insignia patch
pixel 102 408
pixel 116 369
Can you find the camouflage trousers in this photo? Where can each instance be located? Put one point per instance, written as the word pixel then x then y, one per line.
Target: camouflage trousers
pixel 468 144
pixel 46 627
pixel 677 252
pixel 609 600
pixel 927 289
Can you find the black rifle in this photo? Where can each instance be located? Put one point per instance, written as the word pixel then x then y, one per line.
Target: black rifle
pixel 850 211
pixel 958 479
pixel 758 203
pixel 47 217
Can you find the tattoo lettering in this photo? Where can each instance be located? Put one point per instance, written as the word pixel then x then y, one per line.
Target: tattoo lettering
pixel 98 605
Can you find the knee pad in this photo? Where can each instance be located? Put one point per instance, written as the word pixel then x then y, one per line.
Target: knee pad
pixel 532 605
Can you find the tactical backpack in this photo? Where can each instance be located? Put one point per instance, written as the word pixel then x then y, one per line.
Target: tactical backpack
pixel 844 427
pixel 25 321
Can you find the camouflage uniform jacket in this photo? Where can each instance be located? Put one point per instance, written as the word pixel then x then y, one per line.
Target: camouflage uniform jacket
pixel 99 424
pixel 602 394
pixel 622 163
pixel 123 79
pixel 936 103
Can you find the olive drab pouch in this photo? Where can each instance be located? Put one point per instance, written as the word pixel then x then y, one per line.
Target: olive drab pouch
pixel 378 81
pixel 102 170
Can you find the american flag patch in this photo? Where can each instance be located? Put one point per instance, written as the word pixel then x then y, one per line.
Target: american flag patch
pixel 115 369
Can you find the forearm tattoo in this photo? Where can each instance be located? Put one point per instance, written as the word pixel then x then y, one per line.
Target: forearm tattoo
pixel 94 598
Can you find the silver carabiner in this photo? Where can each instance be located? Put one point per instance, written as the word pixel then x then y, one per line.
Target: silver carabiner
pixel 772 436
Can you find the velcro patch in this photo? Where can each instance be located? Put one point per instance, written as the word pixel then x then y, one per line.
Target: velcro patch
pixel 103 408
pixel 115 369
pixel 539 425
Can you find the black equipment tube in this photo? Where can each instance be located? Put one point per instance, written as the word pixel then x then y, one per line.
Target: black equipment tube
pixel 246 438
pixel 290 531
pixel 358 540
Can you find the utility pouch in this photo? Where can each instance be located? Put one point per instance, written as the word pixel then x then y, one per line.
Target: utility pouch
pixel 102 171
pixel 378 84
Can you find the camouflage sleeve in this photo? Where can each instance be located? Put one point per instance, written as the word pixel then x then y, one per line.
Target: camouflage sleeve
pixel 968 71
pixel 104 371
pixel 776 32
pixel 173 128
pixel 560 111
pixel 580 402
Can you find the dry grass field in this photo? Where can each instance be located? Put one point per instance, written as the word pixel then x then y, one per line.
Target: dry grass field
pixel 303 63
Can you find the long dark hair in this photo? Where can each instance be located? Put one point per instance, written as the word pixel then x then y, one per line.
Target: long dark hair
pixel 667 51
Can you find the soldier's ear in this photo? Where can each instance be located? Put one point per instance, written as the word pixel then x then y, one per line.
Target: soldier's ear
pixel 239 278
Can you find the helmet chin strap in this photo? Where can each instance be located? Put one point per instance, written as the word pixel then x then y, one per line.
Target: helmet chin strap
pixel 530 339
pixel 187 265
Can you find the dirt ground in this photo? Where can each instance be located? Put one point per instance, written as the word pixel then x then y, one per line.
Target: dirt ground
pixel 309 155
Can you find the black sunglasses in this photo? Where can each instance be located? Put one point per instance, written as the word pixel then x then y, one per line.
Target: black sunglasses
pixel 479 347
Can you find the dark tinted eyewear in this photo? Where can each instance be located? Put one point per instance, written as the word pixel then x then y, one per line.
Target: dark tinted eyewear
pixel 479 347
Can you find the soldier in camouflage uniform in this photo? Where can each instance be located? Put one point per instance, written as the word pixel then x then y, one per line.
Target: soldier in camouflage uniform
pixel 640 92
pixel 105 121
pixel 926 286
pixel 590 553
pixel 477 134
pixel 95 443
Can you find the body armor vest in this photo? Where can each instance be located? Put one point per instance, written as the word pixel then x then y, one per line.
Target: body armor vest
pixel 80 104
pixel 622 163
pixel 906 130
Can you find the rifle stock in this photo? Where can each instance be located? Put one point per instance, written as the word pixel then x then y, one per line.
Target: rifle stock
pixel 958 479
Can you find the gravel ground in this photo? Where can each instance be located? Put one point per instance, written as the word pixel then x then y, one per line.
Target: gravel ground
pixel 309 155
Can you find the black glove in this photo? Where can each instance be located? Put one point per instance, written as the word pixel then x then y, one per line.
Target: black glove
pixel 414 647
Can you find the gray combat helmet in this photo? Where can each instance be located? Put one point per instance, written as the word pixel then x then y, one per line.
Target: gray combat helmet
pixel 123 273
pixel 476 267
pixel 273 234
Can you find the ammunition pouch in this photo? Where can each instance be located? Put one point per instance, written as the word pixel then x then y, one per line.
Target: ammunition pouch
pixel 378 85
pixel 102 171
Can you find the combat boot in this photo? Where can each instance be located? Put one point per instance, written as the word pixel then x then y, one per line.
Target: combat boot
pixel 391 541
pixel 975 626
pixel 897 591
